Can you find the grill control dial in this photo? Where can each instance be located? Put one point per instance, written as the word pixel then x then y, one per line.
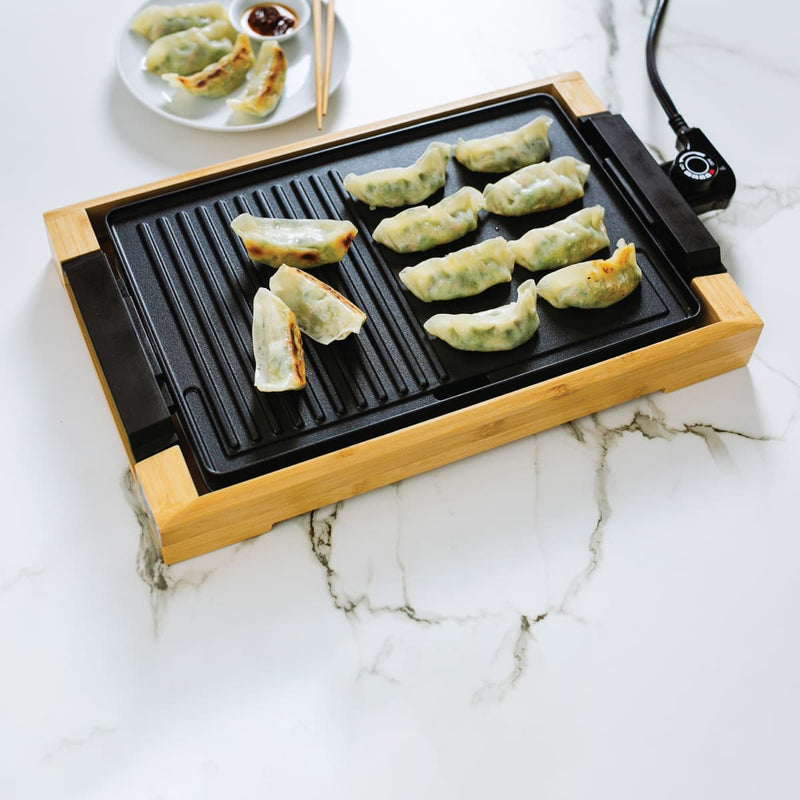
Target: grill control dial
pixel 697 167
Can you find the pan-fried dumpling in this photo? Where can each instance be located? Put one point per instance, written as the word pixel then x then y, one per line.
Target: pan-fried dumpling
pixel 502 328
pixel 221 77
pixel 322 313
pixel 593 284
pixel 464 273
pixel 265 84
pixel 277 345
pixel 402 186
pixel 567 241
pixel 154 22
pixel 507 151
pixel 550 184
pixel 422 227
pixel 189 51
pixel 302 243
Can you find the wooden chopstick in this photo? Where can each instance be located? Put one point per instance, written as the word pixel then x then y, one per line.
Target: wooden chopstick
pixel 316 8
pixel 330 22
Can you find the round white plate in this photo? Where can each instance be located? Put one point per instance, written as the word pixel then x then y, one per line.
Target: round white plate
pixel 299 92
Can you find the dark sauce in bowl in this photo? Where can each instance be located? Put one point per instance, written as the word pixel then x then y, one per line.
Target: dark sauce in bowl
pixel 269 19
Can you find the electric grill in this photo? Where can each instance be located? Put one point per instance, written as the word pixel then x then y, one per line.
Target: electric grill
pixel 163 289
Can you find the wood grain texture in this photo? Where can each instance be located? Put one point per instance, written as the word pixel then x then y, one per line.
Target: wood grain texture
pixel 576 96
pixel 190 522
pixel 252 507
pixel 71 234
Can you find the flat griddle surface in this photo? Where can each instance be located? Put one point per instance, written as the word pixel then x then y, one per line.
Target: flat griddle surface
pixel 192 286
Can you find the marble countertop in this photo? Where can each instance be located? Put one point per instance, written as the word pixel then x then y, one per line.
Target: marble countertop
pixel 607 609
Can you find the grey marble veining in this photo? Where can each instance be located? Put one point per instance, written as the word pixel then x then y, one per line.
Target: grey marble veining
pixel 160 579
pixel 607 18
pixel 23 575
pixel 794 383
pixel 605 609
pixel 496 692
pixel 67 746
pixel 598 441
pixel 754 205
pixel 376 667
pixel 357 598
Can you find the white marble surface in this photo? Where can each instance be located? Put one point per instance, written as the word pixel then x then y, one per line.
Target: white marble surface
pixel 605 610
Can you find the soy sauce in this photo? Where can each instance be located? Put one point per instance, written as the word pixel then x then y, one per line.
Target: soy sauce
pixel 269 19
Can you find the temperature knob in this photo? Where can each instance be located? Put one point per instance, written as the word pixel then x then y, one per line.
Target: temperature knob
pixel 697 167
pixel 700 173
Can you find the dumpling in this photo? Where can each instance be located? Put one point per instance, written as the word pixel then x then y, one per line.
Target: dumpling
pixel 154 22
pixel 502 328
pixel 277 345
pixel 321 312
pixel 463 273
pixel 302 243
pixel 507 151
pixel 551 184
pixel 221 77
pixel 593 284
pixel 567 241
pixel 265 84
pixel 423 227
pixel 190 51
pixel 402 186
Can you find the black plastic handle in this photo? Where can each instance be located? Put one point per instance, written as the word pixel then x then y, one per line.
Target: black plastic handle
pixel 137 396
pixel 687 241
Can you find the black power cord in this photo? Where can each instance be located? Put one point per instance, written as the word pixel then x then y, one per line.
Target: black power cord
pixel 699 172
pixel 676 121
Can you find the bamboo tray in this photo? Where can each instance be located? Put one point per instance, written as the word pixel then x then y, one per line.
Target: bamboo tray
pixel 188 519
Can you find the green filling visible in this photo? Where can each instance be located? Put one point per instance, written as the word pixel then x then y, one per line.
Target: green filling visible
pixel 491 339
pixel 176 24
pixel 191 58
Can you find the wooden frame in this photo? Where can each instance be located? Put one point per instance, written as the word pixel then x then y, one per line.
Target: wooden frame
pixel 188 520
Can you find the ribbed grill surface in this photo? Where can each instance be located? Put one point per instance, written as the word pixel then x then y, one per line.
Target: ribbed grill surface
pixel 192 285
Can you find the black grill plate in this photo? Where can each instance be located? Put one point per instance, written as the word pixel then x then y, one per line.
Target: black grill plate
pixel 192 287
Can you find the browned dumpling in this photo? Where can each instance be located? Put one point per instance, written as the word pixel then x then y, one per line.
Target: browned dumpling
pixel 265 84
pixel 277 345
pixel 593 284
pixel 301 243
pixel 322 313
pixel 221 77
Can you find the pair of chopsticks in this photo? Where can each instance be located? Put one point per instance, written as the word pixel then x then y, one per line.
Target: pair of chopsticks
pixel 322 79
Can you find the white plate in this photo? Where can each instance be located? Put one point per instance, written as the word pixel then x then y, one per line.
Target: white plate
pixel 299 92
